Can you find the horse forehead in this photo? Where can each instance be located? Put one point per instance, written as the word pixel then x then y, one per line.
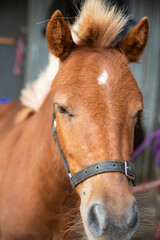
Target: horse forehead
pixel 92 74
pixel 92 66
pixel 96 60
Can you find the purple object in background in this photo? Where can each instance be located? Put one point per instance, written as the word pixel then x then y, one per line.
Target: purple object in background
pixel 4 100
pixel 155 150
pixel 17 70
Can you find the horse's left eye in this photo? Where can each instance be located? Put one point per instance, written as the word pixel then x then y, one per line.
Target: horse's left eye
pixel 138 114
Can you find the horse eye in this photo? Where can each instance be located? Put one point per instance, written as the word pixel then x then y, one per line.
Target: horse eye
pixel 138 114
pixel 62 110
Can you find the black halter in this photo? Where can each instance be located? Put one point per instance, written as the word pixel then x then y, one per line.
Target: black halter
pixel 101 167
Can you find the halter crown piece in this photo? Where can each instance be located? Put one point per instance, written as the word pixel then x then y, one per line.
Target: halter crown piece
pixel 101 167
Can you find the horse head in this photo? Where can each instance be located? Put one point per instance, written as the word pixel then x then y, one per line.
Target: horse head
pixel 97 102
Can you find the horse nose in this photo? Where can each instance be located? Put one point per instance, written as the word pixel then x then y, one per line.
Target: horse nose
pixel 133 219
pixel 97 220
pixel 100 224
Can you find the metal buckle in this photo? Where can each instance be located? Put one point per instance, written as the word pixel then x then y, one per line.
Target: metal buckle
pixel 132 177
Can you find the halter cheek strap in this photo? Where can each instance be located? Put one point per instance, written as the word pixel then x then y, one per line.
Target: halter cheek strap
pixel 101 167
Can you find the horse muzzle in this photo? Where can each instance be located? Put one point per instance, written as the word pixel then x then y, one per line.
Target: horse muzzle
pixel 103 223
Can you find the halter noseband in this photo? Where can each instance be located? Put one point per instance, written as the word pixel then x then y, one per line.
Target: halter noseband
pixel 101 167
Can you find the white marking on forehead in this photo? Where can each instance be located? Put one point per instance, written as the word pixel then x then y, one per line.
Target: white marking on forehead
pixel 103 77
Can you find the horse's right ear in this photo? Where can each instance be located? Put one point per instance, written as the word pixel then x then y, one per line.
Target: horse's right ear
pixel 59 38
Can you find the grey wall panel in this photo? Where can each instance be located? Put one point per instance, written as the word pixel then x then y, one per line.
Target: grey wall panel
pixel 147 75
pixel 37 52
pixel 12 19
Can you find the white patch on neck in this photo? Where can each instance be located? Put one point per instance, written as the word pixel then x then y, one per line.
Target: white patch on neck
pixel 34 94
pixel 103 77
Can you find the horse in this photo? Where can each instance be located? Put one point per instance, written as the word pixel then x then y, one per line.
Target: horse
pixel 85 125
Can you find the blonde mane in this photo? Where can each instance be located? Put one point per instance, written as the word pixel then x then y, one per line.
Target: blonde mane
pixel 97 25
pixel 34 94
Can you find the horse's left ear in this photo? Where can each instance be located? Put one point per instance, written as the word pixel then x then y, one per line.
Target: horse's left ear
pixel 134 43
pixel 59 38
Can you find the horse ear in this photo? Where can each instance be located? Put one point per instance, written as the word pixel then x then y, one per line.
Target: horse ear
pixel 134 43
pixel 59 38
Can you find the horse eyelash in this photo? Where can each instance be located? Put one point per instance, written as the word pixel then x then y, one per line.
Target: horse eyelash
pixel 138 118
pixel 139 114
pixel 64 111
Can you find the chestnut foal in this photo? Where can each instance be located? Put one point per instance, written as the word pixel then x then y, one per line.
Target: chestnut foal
pixel 95 101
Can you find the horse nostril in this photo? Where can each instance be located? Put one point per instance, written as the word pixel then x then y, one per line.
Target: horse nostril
pixel 133 219
pixel 97 220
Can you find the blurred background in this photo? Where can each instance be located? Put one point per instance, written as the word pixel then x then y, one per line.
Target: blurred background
pixel 24 54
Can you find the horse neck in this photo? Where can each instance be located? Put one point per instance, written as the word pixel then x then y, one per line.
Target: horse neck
pixel 51 172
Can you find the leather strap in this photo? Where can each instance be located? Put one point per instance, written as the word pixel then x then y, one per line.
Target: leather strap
pixel 101 167
pixel 60 150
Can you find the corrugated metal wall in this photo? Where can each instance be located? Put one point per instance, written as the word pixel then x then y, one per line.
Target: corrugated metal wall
pixel 12 21
pixel 37 51
pixel 147 74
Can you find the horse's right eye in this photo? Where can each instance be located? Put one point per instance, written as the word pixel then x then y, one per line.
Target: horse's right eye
pixel 62 110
